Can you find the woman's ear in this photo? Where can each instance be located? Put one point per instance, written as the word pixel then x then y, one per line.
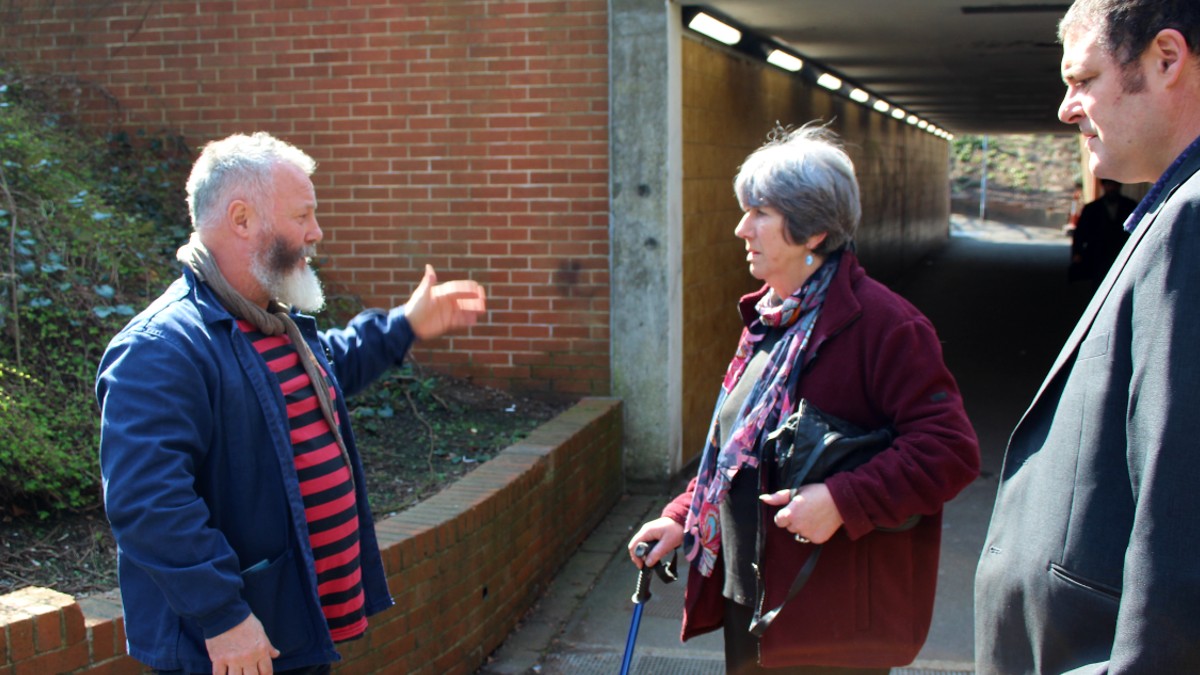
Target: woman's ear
pixel 814 241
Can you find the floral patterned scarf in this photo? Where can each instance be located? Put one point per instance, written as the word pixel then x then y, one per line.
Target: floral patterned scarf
pixel 770 396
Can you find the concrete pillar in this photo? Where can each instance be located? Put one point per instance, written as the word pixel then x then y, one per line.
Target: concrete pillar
pixel 646 222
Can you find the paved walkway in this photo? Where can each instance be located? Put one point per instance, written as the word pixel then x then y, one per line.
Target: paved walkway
pixel 999 298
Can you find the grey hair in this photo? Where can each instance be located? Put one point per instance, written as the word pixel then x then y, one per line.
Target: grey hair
pixel 806 175
pixel 239 167
pixel 1124 28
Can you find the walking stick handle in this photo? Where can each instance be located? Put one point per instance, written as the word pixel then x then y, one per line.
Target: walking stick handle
pixel 642 593
pixel 664 568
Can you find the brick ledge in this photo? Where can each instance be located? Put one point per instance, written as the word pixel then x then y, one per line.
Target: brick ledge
pixel 463 566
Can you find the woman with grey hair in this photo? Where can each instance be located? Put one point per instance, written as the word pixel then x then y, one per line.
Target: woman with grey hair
pixel 822 331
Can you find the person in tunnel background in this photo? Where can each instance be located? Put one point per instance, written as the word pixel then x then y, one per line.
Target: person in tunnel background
pixel 862 354
pixel 1090 561
pixel 1100 233
pixel 1074 209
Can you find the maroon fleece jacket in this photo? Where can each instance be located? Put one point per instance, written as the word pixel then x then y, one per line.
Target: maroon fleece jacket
pixel 873 360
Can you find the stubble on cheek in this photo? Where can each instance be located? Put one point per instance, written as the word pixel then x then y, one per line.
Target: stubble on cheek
pixel 282 259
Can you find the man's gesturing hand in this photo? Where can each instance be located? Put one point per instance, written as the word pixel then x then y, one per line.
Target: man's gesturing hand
pixel 436 308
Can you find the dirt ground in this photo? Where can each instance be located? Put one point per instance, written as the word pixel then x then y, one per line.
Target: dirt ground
pixel 418 433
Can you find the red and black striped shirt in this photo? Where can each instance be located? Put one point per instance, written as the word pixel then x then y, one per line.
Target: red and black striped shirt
pixel 325 485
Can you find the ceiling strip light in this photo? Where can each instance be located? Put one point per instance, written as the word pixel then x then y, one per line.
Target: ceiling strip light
pixel 784 60
pixel 721 32
pixel 829 81
pixel 898 113
pixel 860 96
pixel 882 106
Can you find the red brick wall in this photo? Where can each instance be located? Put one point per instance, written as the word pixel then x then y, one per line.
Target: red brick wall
pixel 467 134
pixel 458 564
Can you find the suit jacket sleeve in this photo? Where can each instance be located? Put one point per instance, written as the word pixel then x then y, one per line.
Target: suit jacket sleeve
pixel 1157 620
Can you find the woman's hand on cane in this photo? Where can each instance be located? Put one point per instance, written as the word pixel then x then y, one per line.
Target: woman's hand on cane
pixel 666 532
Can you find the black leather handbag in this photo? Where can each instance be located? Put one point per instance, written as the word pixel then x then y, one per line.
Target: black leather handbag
pixel 807 448
pixel 811 445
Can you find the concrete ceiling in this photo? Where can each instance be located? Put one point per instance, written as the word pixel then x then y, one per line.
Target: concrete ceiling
pixel 968 66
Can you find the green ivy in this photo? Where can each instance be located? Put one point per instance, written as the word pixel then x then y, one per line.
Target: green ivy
pixel 88 228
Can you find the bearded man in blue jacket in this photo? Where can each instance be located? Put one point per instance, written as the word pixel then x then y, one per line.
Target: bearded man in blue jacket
pixel 231 478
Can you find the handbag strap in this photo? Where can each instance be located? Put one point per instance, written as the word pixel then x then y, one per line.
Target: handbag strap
pixel 761 622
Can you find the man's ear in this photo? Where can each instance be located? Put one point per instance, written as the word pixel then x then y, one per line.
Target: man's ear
pixel 1170 54
pixel 238 215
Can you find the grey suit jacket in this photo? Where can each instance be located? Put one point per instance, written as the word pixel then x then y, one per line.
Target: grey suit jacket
pixel 1092 559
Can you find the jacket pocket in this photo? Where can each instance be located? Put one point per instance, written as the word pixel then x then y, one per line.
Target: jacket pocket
pixel 276 596
pixel 1081 613
pixel 1084 584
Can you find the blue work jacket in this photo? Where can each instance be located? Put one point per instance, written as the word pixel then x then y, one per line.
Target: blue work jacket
pixel 200 484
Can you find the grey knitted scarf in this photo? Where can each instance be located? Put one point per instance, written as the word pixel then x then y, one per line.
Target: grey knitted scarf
pixel 274 320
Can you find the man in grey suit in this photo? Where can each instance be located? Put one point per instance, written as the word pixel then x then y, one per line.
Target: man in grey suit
pixel 1092 559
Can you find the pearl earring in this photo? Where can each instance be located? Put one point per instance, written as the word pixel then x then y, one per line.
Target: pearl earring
pixel 808 260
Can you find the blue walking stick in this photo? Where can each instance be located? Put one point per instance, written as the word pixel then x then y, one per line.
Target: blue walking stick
pixel 666 572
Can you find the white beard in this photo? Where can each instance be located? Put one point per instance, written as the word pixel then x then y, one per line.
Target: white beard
pixel 301 289
pixel 295 287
